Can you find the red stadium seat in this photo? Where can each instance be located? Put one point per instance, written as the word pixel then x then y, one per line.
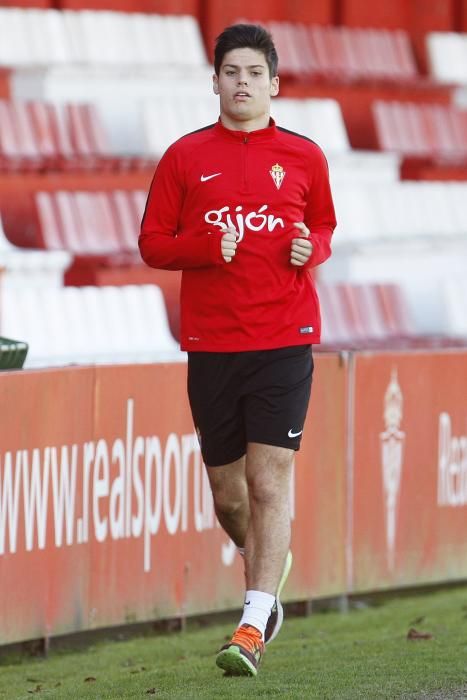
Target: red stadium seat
pixel 365 313
pixel 97 225
pixel 66 157
pixel 309 61
pixel 40 114
pixel 293 62
pixel 343 53
pixel 128 222
pixel 18 146
pixel 41 136
pixel 369 316
pixel 425 130
pixel 79 134
pixel 395 310
pixel 321 42
pixel 353 312
pixel 338 330
pixel 89 137
pixel 331 332
pixel 404 56
pixel 49 233
pixel 84 223
pixel 138 199
pixel 69 222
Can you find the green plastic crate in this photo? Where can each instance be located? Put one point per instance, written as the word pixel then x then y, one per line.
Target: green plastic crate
pixel 12 353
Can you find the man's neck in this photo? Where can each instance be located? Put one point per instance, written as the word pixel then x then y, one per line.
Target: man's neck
pixel 247 126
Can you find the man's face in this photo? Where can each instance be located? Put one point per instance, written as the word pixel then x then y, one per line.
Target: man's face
pixel 245 89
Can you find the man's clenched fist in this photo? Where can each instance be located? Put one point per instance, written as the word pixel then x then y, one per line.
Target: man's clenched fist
pixel 229 243
pixel 302 248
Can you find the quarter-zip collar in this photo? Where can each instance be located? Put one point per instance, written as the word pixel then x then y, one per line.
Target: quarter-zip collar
pixel 257 136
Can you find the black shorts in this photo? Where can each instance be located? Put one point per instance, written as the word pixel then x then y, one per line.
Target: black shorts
pixel 254 396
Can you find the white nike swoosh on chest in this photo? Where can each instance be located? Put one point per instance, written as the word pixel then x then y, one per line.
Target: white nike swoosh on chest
pixel 204 178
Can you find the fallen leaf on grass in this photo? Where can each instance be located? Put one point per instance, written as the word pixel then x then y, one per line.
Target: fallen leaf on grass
pixel 414 634
pixel 151 691
pixel 137 670
pixel 89 679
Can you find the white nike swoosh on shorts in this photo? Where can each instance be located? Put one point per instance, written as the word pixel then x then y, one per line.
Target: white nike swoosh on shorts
pixel 291 434
pixel 204 178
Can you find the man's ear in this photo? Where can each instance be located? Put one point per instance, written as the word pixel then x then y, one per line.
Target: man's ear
pixel 274 90
pixel 215 84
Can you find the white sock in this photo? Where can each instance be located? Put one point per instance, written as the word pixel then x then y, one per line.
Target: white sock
pixel 257 609
pixel 241 551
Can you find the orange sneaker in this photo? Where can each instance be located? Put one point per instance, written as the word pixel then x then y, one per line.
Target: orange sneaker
pixel 243 654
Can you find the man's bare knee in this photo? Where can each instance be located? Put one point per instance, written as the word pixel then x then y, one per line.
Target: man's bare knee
pixel 229 509
pixel 268 471
pixel 229 487
pixel 263 492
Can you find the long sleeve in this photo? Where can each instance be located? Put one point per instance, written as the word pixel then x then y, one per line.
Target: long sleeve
pixel 161 242
pixel 319 216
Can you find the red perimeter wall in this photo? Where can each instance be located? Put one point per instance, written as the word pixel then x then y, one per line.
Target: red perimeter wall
pixel 106 515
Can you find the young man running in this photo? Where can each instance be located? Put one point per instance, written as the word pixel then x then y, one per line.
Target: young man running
pixel 244 208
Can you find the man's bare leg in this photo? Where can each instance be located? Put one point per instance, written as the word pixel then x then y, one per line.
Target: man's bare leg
pixel 268 472
pixel 251 500
pixel 231 502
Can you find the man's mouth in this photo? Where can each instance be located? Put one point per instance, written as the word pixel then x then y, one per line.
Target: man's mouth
pixel 242 94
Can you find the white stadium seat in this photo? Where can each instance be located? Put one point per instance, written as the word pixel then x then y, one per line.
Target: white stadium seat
pixel 169 118
pixel 410 233
pixel 325 124
pixel 43 37
pixel 14 47
pixel 120 95
pixel 455 304
pixel 34 268
pixel 447 56
pixel 89 325
pixel 403 211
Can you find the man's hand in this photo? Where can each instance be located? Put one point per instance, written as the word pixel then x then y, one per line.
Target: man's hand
pixel 229 243
pixel 302 248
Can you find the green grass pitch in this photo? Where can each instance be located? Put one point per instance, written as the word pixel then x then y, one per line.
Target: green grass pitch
pixel 361 655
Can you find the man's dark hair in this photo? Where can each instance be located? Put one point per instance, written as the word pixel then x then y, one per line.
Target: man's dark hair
pixel 246 36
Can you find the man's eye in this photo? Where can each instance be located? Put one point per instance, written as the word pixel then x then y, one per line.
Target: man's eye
pixel 230 72
pixel 256 72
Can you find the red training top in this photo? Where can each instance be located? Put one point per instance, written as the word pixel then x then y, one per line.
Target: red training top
pixel 261 182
